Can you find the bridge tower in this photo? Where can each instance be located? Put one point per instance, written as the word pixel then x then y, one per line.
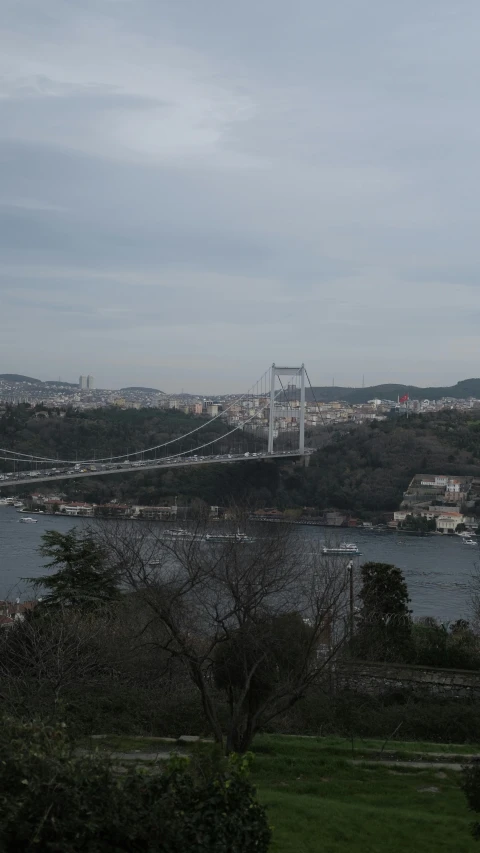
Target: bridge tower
pixel 294 372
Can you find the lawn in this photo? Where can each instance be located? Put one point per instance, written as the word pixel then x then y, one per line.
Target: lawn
pixel 318 801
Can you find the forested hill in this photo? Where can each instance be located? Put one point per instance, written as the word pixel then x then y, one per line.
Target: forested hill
pixel 18 377
pixel 30 380
pixel 99 432
pixel 462 390
pixel 368 468
pixel 363 470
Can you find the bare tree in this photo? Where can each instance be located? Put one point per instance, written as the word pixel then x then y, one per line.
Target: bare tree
pixel 256 620
pixel 43 656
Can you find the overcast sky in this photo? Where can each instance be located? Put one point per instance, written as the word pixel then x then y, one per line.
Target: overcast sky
pixel 192 189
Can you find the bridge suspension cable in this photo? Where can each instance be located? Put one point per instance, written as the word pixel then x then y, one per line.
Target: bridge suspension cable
pixel 14 455
pixel 31 458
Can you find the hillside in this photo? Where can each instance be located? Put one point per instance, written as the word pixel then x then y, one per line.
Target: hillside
pixel 102 433
pixel 18 377
pixel 464 388
pixel 141 388
pixel 363 470
pixel 98 433
pixel 367 469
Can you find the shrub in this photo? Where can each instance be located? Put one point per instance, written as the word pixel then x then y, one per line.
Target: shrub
pixel 53 800
pixel 471 788
pixel 418 717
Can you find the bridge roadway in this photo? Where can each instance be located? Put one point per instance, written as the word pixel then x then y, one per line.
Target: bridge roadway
pixel 149 465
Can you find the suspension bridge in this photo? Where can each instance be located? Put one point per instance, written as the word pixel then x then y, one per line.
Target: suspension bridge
pixel 272 415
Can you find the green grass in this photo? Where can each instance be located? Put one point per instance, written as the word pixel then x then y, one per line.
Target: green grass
pixel 423 747
pixel 329 745
pixel 318 801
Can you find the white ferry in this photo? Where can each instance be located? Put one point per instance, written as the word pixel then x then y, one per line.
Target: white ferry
pixel 179 533
pixel 230 537
pixel 28 520
pixel 348 548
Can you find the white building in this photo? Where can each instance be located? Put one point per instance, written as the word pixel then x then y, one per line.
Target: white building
pixel 90 383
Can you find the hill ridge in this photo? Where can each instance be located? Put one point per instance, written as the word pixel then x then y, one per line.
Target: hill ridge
pixel 390 391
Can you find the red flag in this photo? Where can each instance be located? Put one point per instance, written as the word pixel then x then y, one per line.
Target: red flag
pixel 403 399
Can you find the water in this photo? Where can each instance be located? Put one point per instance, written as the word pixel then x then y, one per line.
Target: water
pixel 19 543
pixel 437 568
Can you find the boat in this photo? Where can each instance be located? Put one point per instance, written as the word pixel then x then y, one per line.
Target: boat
pixel 348 548
pixel 28 520
pixel 230 537
pixel 469 542
pixel 179 534
pixel 18 504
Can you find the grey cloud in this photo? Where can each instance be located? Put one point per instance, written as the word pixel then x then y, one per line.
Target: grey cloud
pixel 271 180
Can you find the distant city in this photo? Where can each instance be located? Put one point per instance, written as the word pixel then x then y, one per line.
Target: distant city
pixel 237 408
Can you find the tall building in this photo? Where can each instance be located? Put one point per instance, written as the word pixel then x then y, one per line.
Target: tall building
pixel 82 383
pixel 90 383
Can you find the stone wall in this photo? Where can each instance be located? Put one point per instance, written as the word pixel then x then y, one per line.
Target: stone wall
pixel 377 678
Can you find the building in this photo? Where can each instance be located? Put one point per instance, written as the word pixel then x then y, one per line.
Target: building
pixel 449 523
pixel 155 513
pixel 86 383
pixel 441 489
pixel 212 408
pixel 446 521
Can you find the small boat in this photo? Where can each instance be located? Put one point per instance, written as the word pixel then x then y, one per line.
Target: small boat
pixel 469 542
pixel 348 548
pixel 28 520
pixel 18 504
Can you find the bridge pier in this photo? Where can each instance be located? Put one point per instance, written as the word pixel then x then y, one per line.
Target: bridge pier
pixel 287 371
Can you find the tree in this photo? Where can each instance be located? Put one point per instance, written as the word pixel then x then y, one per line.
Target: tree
pixel 384 628
pixel 85 580
pixel 257 621
pixel 45 655
pixel 258 659
pixel 455 646
pixel 418 524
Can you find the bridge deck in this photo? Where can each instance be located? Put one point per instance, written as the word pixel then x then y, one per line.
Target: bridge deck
pixel 121 468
